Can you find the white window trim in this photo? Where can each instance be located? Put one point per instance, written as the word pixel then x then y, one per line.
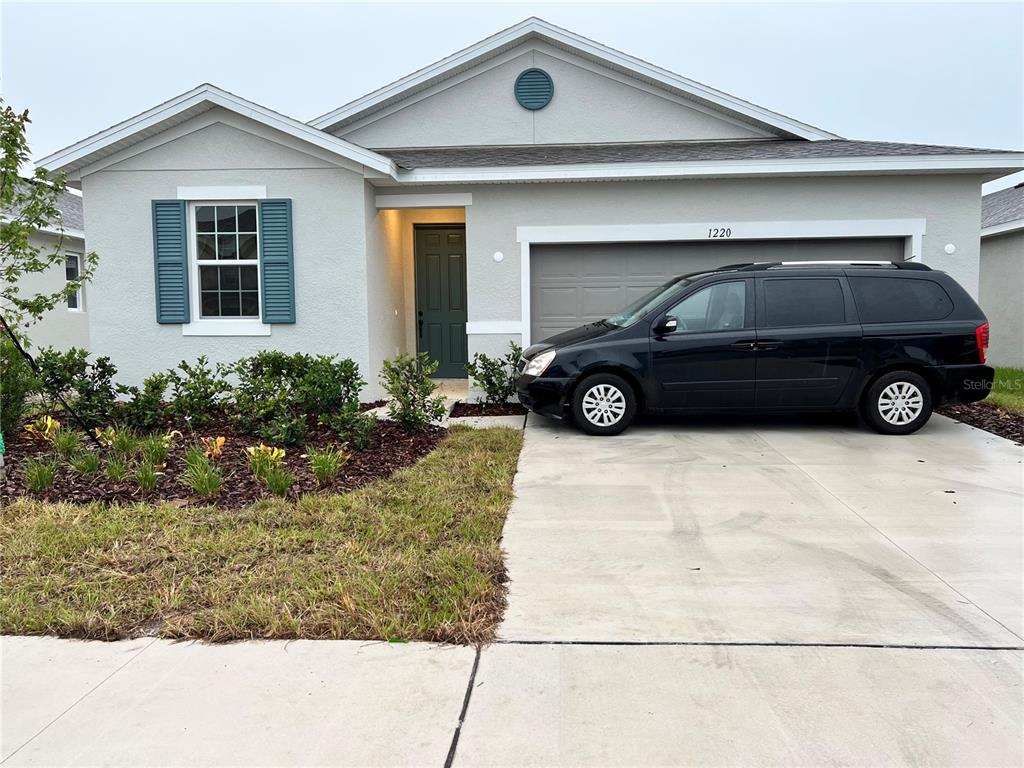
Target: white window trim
pixel 81 290
pixel 218 326
pixel 911 229
pixel 222 194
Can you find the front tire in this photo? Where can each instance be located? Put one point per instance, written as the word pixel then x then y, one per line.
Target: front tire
pixel 898 403
pixel 603 404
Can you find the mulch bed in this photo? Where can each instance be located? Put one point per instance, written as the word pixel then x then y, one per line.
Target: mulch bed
pixel 391 448
pixel 988 417
pixel 371 405
pixel 487 409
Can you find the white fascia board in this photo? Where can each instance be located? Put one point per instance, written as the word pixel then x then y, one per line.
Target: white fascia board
pixel 75 234
pixel 614 171
pixel 560 36
pixel 439 200
pixel 216 97
pixel 1002 229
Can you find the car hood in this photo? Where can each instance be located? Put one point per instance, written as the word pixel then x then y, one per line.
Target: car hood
pixel 566 338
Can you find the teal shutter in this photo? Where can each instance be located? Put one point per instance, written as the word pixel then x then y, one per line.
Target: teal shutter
pixel 170 254
pixel 276 268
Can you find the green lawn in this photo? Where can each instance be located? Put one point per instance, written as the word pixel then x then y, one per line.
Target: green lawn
pixel 413 557
pixel 1008 389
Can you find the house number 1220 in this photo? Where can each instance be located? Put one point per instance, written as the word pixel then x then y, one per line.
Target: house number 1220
pixel 720 232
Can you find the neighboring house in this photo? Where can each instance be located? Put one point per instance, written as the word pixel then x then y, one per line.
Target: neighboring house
pixel 67 325
pixel 1002 273
pixel 529 183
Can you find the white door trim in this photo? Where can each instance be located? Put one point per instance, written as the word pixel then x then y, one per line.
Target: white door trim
pixel 911 229
pixel 426 200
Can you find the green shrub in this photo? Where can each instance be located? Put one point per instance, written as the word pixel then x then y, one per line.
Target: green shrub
pixel 351 425
pixel 496 376
pixel 18 382
pixel 145 477
pixel 86 463
pixel 117 469
pixel 329 385
pixel 278 479
pixel 155 448
pixel 197 390
pixel 201 474
pixel 284 428
pixel 143 408
pixel 67 443
pixel 88 386
pixel 327 463
pixel 40 474
pixel 407 381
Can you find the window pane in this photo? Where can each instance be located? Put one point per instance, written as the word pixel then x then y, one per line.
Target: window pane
pixel 809 301
pixel 73 301
pixel 719 307
pixel 250 279
pixel 71 267
pixel 227 247
pixel 204 218
pixel 206 247
pixel 225 218
pixel 211 304
pixel 246 218
pixel 229 278
pixel 229 306
pixel 247 247
pixel 899 300
pixel 208 278
pixel 250 304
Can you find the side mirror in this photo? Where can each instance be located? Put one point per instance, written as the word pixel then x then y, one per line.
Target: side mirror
pixel 667 324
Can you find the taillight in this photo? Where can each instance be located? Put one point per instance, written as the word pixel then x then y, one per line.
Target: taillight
pixel 981 336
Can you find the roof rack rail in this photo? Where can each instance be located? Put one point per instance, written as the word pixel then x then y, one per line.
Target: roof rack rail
pixel 753 266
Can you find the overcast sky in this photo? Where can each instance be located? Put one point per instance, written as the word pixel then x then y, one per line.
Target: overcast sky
pixel 946 73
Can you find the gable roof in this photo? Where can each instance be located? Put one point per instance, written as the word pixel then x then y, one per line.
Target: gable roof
pixel 188 105
pixel 534 28
pixel 1003 211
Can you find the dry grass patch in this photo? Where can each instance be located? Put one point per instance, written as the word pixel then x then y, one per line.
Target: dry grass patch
pixel 413 557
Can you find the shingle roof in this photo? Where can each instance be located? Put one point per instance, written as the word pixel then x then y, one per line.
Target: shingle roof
pixel 70 206
pixel 564 154
pixel 1003 206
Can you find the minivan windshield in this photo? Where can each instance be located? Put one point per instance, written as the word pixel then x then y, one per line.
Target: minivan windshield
pixel 646 303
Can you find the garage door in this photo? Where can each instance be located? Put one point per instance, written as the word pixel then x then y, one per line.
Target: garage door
pixel 576 284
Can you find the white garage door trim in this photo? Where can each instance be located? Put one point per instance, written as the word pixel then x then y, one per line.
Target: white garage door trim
pixel 912 229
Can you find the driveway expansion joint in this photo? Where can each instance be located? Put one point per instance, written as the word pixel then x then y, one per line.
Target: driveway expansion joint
pixel 450 759
pixel 763 644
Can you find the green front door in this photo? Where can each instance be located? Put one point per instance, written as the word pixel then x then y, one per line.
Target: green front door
pixel 441 297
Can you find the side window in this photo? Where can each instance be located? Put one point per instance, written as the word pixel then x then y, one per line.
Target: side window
pixel 899 300
pixel 720 307
pixel 805 301
pixel 72 265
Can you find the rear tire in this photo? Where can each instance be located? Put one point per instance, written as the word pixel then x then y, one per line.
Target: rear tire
pixel 898 403
pixel 603 404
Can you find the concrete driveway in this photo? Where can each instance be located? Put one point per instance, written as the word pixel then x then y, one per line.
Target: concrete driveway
pixel 767 532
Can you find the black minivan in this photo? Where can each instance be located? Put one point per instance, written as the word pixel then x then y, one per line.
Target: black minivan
pixel 890 339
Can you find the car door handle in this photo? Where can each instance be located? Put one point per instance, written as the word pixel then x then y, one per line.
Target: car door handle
pixel 768 344
pixel 747 345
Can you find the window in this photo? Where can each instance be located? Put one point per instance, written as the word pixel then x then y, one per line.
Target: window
pixel 227 260
pixel 72 269
pixel 899 300
pixel 806 301
pixel 720 307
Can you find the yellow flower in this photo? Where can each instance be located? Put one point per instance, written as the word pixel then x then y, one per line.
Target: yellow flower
pixel 105 436
pixel 43 428
pixel 213 446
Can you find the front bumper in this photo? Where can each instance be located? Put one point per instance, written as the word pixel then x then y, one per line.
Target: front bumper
pixel 966 383
pixel 543 395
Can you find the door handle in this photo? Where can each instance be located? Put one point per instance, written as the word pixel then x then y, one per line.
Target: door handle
pixel 747 345
pixel 768 344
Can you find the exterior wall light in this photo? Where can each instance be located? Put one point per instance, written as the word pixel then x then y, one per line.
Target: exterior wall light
pixel 499 256
pixel 950 249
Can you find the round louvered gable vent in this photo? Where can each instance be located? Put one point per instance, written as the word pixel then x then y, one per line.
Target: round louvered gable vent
pixel 534 89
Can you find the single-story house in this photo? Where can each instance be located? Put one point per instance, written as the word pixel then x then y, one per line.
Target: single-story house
pixel 524 185
pixel 1002 273
pixel 66 325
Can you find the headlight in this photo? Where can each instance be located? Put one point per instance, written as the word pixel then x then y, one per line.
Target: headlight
pixel 535 366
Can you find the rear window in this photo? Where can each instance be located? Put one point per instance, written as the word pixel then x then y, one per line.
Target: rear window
pixel 807 301
pixel 899 300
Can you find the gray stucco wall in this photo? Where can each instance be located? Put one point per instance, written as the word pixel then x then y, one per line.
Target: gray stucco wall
pixel 590 104
pixel 62 327
pixel 1002 296
pixel 328 221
